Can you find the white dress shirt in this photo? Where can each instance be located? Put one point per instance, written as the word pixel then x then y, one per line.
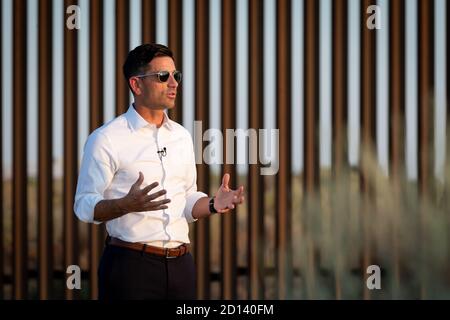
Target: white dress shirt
pixel 113 156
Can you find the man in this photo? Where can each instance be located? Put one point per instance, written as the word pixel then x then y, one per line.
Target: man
pixel 138 175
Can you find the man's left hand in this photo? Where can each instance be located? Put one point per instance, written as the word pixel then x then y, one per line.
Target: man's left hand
pixel 226 198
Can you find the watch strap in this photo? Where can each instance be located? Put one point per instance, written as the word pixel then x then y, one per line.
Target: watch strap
pixel 211 206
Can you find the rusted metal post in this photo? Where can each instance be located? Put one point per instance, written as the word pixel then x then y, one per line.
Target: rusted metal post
pixel 97 233
pixel 339 84
pixel 228 221
pixel 70 148
pixel 368 91
pixel 255 180
pixel 426 59
pixel 397 107
pixel 311 103
pixel 368 105
pixel 19 207
pixel 340 87
pixel 176 45
pixel 397 82
pixel 283 178
pixel 426 65
pixel 122 46
pixel 311 174
pixel 45 176
pixel 148 21
pixel 202 247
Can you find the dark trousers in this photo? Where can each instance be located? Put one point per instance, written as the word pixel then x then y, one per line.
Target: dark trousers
pixel 129 274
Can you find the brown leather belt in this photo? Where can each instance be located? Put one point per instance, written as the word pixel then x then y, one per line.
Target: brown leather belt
pixel 163 252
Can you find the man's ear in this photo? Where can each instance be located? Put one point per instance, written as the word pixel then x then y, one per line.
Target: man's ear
pixel 134 85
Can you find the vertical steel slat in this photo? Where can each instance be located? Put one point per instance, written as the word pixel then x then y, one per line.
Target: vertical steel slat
pixel 45 176
pixel 283 178
pixel 426 61
pixel 255 180
pixel 339 83
pixel 122 45
pixel 311 102
pixel 426 64
pixel 397 82
pixel 70 147
pixel 397 106
pixel 2 248
pixel 97 233
pixel 176 45
pixel 339 41
pixel 368 89
pixel 148 21
pixel 311 174
pixel 202 239
pixel 20 150
pixel 368 105
pixel 228 221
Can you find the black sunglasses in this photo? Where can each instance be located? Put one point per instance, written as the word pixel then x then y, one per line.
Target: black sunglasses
pixel 163 76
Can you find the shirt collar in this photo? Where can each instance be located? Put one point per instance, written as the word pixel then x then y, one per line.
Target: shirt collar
pixel 137 122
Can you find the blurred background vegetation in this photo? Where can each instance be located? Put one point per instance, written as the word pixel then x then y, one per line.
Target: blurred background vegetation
pixel 395 227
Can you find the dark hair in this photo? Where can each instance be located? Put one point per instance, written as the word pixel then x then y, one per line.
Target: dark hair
pixel 138 58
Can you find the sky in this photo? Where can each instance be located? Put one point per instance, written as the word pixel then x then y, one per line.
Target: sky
pixel 325 73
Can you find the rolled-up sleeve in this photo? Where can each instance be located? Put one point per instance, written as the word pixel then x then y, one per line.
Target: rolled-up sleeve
pixel 96 173
pixel 192 195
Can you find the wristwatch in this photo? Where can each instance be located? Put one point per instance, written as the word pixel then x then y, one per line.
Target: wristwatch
pixel 212 210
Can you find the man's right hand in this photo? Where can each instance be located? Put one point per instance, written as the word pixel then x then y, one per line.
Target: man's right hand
pixel 138 199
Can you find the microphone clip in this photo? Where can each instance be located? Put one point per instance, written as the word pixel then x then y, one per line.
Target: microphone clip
pixel 162 152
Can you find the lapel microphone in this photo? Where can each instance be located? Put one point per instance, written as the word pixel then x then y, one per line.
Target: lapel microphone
pixel 162 152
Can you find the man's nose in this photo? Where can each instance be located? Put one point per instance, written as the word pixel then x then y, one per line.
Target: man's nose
pixel 172 82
